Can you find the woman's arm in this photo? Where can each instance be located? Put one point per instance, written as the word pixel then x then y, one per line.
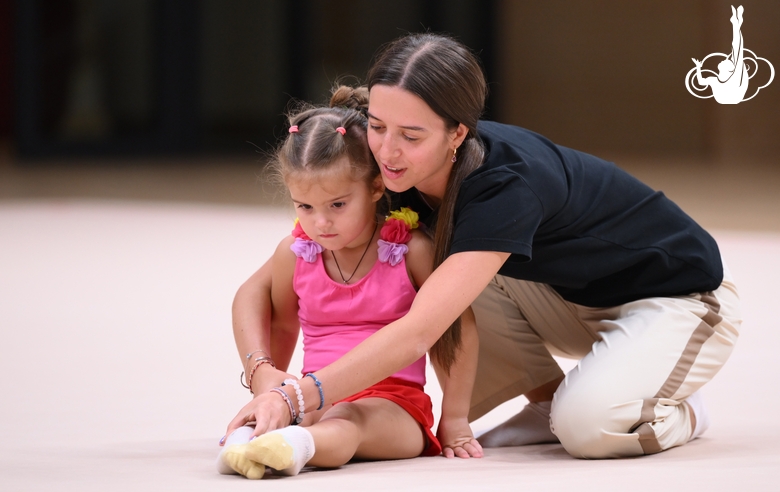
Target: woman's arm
pixel 444 296
pixel 454 431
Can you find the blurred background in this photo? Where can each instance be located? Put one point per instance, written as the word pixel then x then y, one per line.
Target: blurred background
pixel 178 99
pixel 133 203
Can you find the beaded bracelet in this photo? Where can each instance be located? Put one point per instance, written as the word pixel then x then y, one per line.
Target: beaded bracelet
pixel 319 388
pixel 258 362
pixel 299 394
pixel 286 400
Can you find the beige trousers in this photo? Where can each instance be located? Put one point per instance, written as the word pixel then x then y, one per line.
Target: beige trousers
pixel 637 361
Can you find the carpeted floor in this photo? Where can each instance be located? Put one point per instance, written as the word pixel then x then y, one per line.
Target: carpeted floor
pixel 118 370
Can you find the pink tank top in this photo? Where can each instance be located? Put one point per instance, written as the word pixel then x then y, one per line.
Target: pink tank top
pixel 335 317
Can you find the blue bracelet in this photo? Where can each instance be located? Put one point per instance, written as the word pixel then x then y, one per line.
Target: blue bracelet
pixel 319 388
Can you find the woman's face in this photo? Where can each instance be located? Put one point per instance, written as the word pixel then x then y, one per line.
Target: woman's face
pixel 411 143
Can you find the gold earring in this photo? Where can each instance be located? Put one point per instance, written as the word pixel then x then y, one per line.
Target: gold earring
pixel 454 155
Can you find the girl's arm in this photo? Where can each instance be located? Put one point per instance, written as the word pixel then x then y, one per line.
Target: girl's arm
pixel 454 431
pixel 260 323
pixel 444 296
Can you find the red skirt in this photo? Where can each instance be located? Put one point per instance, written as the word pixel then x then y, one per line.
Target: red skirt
pixel 411 397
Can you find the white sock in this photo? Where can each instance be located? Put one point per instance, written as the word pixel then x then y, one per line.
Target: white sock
pixel 530 426
pixel 286 450
pixel 239 436
pixel 696 403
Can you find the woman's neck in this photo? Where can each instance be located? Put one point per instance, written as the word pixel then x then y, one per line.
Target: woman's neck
pixel 431 201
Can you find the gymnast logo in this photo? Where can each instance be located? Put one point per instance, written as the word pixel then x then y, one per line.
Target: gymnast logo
pixel 735 70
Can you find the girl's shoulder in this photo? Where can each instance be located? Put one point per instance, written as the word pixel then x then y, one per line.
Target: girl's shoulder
pixel 302 245
pixel 401 237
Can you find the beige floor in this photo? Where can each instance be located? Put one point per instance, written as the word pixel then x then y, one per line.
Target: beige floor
pixel 118 372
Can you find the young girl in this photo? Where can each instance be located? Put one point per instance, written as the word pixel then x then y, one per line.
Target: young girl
pixel 345 272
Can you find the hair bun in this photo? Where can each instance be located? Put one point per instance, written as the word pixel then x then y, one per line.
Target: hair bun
pixel 350 97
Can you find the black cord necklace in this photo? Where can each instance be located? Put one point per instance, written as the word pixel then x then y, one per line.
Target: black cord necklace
pixel 346 280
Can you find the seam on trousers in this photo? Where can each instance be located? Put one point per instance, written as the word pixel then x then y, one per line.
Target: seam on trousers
pixel 647 438
pixel 647 414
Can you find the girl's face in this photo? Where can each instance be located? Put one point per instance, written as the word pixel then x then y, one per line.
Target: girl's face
pixel 411 143
pixel 335 210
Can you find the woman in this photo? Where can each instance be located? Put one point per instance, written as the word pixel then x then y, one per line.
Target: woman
pixel 555 250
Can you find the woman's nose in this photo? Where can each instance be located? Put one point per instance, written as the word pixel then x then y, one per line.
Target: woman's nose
pixel 388 149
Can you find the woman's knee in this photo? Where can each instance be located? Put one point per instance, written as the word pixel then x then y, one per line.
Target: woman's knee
pixel 586 427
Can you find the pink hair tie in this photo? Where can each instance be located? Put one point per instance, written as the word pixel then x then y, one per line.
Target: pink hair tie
pixel 294 129
pixel 342 130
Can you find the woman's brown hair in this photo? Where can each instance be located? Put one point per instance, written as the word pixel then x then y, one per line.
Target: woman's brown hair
pixel 448 77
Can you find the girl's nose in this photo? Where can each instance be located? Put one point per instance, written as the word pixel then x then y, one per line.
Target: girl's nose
pixel 322 223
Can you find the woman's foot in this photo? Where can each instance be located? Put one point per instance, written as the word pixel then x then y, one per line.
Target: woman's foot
pixel 530 426
pixel 700 418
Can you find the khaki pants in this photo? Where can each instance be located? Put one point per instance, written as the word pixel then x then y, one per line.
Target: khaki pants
pixel 638 361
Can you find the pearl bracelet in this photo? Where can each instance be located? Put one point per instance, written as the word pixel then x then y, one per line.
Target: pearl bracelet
pixel 299 395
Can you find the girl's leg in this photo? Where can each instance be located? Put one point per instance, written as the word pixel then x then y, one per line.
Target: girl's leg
pixel 626 397
pixel 372 429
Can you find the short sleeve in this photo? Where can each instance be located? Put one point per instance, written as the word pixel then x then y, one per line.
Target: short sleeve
pixel 496 211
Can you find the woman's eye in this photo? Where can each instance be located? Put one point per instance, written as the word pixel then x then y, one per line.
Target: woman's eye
pixel 410 139
pixel 375 128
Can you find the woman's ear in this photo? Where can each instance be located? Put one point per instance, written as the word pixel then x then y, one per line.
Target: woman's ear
pixel 459 135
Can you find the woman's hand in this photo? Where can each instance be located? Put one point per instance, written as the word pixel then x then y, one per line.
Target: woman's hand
pixel 457 439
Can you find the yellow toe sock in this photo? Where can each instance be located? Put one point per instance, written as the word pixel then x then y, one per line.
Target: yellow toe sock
pixel 271 450
pixel 236 457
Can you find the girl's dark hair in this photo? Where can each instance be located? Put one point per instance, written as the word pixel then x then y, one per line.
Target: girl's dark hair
pixel 316 144
pixel 448 77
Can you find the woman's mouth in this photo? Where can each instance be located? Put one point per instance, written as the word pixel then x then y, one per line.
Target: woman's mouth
pixel 394 172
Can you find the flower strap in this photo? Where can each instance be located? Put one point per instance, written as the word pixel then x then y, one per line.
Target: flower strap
pixel 395 234
pixel 304 247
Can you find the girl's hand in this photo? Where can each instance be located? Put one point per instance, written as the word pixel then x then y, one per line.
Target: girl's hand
pixel 457 439
pixel 267 410
pixel 262 409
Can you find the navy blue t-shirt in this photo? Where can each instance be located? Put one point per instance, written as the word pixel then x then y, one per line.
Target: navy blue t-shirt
pixel 594 233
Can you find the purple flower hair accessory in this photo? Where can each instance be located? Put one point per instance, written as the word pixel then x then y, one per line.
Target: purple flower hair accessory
pixel 391 253
pixel 306 249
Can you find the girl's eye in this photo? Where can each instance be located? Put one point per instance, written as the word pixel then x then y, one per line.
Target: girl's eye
pixel 304 206
pixel 338 204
